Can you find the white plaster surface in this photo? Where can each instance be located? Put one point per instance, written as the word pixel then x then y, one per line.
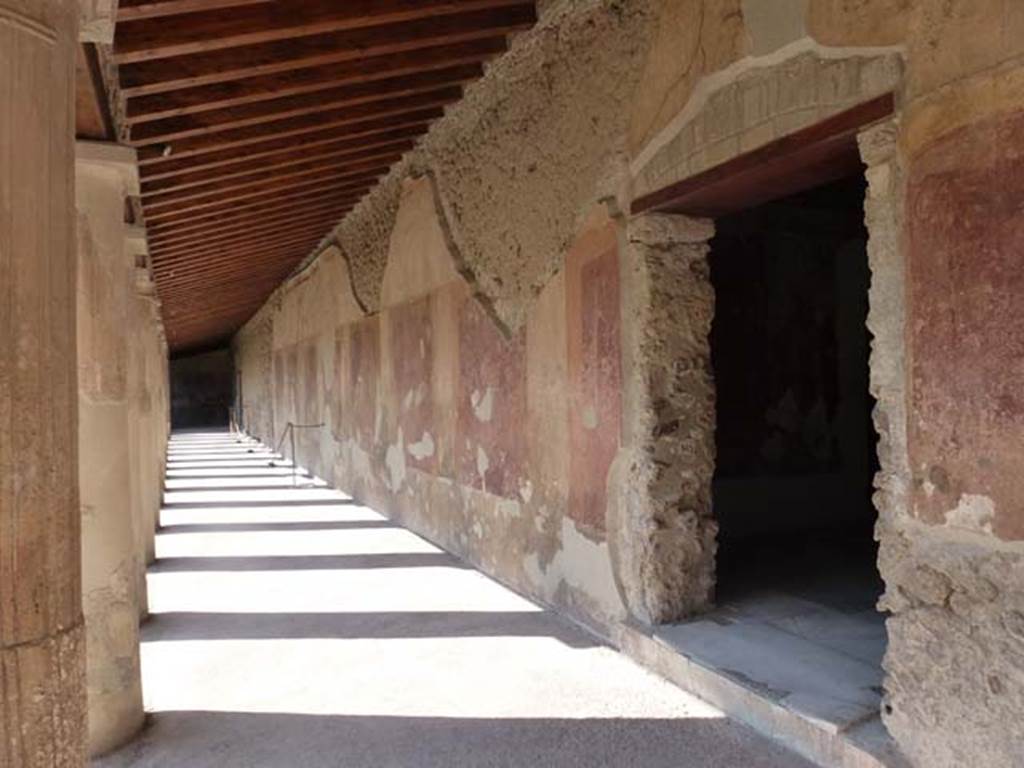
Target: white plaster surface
pixel 583 565
pixel 973 512
pixel 258 653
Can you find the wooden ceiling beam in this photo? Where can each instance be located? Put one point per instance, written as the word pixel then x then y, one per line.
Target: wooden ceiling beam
pixel 256 281
pixel 237 254
pixel 260 212
pixel 255 275
pixel 271 87
pixel 281 162
pixel 358 121
pixel 202 31
pixel 191 306
pixel 159 169
pixel 243 261
pixel 187 71
pixel 220 204
pixel 268 260
pixel 319 102
pixel 151 9
pixel 244 287
pixel 295 197
pixel 187 314
pixel 196 331
pixel 325 223
pixel 262 180
pixel 261 281
pixel 218 231
pixel 259 124
pixel 171 255
pixel 238 189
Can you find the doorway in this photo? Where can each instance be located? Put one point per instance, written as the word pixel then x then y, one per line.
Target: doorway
pixel 796 454
pixel 795 444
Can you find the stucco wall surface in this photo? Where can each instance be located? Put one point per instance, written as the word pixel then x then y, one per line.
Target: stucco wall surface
pixel 495 350
pixel 495 446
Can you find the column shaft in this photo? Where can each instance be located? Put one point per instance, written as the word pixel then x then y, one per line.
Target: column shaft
pixel 110 558
pixel 42 691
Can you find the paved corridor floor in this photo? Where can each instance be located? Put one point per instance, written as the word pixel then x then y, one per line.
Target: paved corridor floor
pixel 292 627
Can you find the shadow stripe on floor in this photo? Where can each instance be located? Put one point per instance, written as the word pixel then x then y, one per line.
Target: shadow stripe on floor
pixel 308 562
pixel 165 627
pixel 305 525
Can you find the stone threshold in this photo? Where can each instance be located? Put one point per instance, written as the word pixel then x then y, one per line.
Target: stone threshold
pixel 864 744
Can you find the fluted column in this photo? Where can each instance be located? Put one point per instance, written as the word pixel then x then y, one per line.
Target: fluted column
pixel 42 686
pixel 111 562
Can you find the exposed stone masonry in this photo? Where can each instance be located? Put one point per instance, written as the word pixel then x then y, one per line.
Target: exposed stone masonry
pixel 661 530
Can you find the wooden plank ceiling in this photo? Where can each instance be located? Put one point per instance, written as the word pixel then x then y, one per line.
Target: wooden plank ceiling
pixel 260 123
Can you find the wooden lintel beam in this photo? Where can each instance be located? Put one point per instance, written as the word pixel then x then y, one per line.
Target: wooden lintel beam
pixel 788 165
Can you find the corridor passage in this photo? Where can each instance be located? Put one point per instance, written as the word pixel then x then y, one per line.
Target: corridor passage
pixel 291 626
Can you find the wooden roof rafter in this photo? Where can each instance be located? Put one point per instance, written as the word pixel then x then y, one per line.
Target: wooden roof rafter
pixel 260 123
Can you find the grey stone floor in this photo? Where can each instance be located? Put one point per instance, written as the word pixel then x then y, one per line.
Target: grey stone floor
pixel 801 630
pixel 293 627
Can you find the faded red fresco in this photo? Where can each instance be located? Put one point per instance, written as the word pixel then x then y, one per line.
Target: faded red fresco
pixel 966 323
pixel 363 373
pixel 487 361
pixel 412 366
pixel 595 378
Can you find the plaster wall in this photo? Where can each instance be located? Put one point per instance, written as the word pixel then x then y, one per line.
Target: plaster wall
pixel 425 403
pixel 460 391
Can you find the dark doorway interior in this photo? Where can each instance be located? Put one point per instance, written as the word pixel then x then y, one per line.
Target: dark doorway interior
pixel 202 390
pixel 796 449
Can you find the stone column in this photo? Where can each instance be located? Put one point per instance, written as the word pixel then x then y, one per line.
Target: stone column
pixel 42 685
pixel 660 527
pixel 148 438
pixel 106 173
